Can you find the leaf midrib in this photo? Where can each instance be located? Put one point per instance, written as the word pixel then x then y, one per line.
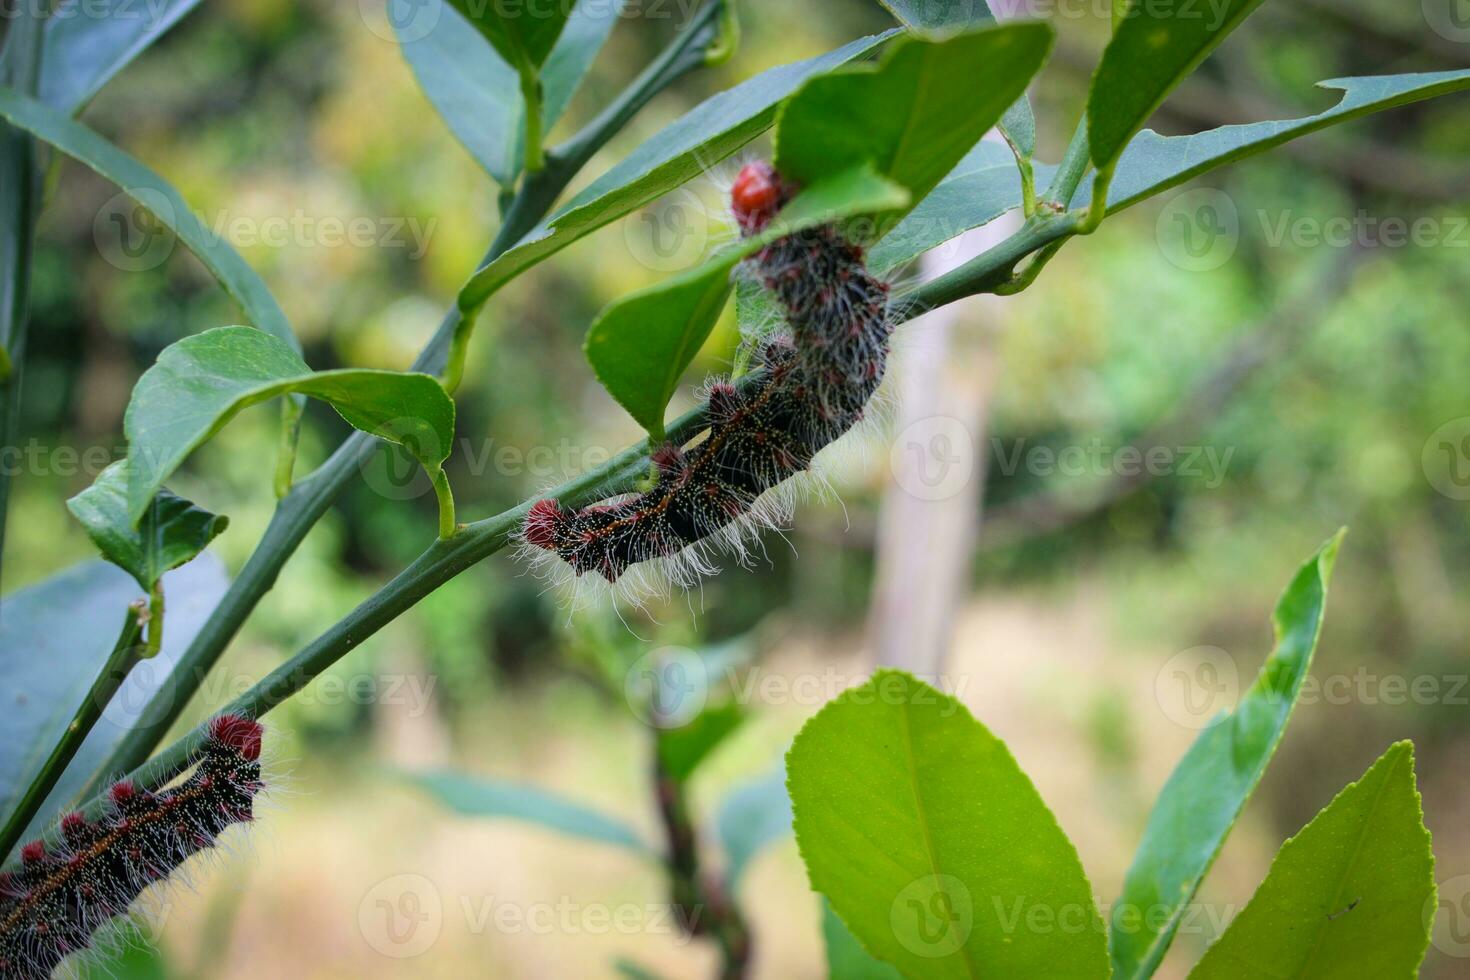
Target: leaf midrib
pixel 913 772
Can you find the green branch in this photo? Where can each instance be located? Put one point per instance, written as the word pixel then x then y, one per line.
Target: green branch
pixel 126 652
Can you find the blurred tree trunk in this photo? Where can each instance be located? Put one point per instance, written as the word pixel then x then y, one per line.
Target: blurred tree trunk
pixel 943 376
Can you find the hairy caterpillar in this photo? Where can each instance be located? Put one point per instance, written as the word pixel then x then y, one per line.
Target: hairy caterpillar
pixel 819 375
pixel 59 897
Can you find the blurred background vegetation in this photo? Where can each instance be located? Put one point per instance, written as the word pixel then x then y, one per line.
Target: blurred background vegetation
pixel 1321 374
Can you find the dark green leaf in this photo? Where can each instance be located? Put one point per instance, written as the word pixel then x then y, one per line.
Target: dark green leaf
pixel 172 532
pixel 473 796
pixel 1203 798
pixel 1019 126
pixel 640 345
pixel 523 33
pixel 87 44
pixel 153 193
pixel 478 94
pixel 905 115
pixel 1346 896
pixel 1156 46
pixel 846 958
pixel 679 152
pixel 54 638
pixel 931 843
pixel 682 749
pixel 751 818
pixel 199 383
pixel 939 15
pixel 1154 163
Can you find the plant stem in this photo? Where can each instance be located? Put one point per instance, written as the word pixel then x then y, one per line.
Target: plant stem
pixel 291 410
pixel 21 177
pixel 155 622
pixel 125 653
pixel 701 904
pixel 531 99
pixel 311 496
pixel 1069 172
pixel 445 496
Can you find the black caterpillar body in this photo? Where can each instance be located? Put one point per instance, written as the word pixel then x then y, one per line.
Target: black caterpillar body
pixel 818 378
pixel 58 899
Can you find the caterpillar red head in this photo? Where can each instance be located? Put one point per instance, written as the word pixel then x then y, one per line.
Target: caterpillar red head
pixel 757 194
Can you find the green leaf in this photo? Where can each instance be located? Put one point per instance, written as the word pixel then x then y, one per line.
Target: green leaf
pixel 1155 47
pixel 54 638
pixel 984 185
pixel 681 750
pixel 640 345
pixel 201 382
pixel 1154 163
pixel 153 193
pixel 86 45
pixel 173 530
pixel 522 33
pixel 1346 896
pixel 846 958
pixel 477 93
pixel 1208 789
pixel 939 15
pixel 472 796
pixel 931 843
pixel 679 152
pixel 905 115
pixel 751 818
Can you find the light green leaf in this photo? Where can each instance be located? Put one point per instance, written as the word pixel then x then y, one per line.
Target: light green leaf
pixel 153 193
pixel 522 33
pixel 1154 163
pixel 682 749
pixel 172 532
pixel 477 93
pixel 55 637
pixel 87 44
pixel 931 843
pixel 640 345
pixel 700 138
pixel 201 382
pixel 1202 799
pixel 1346 896
pixel 939 15
pixel 473 796
pixel 751 818
pixel 984 186
pixel 906 115
pixel 1155 47
pixel 846 958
